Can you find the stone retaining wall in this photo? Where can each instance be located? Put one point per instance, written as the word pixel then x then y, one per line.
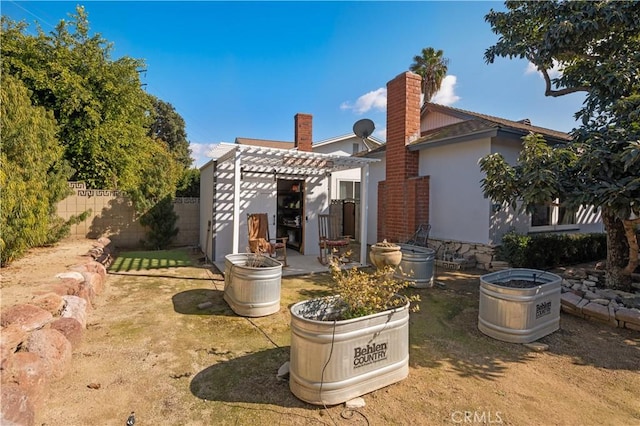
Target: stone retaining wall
pixel 582 297
pixel 37 339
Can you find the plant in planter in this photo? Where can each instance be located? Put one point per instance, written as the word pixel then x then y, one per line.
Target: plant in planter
pixel 352 343
pixel 252 284
pixel 385 254
pixel 519 305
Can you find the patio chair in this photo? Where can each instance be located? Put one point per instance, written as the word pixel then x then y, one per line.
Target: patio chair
pixel 331 239
pixel 259 239
pixel 421 236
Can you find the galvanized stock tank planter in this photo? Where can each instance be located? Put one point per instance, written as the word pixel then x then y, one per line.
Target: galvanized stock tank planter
pixel 333 361
pixel 416 265
pixel 252 284
pixel 519 305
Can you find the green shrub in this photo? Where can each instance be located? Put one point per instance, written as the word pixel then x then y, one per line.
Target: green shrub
pixel 161 220
pixel 550 250
pixel 33 173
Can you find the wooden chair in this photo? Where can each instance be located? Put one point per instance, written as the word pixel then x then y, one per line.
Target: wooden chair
pixel 331 239
pixel 259 240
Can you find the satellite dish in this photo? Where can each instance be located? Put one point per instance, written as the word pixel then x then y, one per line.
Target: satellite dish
pixel 363 128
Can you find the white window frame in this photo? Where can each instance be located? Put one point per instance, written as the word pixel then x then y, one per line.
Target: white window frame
pixel 554 226
pixel 353 188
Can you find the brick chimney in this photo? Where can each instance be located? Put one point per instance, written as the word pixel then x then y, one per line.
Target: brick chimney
pixel 403 198
pixel 303 132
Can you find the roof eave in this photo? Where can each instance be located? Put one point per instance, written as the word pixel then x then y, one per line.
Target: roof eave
pixel 485 133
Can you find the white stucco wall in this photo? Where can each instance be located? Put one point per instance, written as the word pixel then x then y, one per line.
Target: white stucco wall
pixel 316 202
pixel 377 173
pixel 343 148
pixel 457 208
pixel 588 218
pixel 223 216
pixel 257 195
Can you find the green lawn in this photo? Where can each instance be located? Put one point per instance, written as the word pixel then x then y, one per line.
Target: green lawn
pixel 144 260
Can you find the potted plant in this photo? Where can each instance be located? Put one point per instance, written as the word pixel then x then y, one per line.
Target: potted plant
pixel 353 342
pixel 519 305
pixel 252 284
pixel 385 254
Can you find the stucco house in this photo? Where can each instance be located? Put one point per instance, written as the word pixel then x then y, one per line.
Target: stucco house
pixel 293 182
pixel 429 173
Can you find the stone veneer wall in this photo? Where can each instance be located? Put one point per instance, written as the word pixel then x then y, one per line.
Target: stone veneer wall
pixel 112 216
pixel 38 338
pixel 460 255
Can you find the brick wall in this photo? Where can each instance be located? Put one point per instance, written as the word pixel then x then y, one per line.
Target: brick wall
pixel 303 132
pixel 404 196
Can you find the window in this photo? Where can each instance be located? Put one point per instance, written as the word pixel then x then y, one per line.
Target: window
pixel 553 217
pixel 349 189
pixel 355 148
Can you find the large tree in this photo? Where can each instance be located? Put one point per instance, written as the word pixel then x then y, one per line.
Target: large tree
pixel 169 127
pixel 104 115
pixel 595 45
pixel 432 67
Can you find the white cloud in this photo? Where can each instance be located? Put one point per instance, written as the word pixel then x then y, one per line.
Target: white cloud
pixel 554 72
pixel 380 133
pixel 375 100
pixel 199 153
pixel 446 95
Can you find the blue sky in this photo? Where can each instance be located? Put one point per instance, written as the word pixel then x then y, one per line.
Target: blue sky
pixel 244 69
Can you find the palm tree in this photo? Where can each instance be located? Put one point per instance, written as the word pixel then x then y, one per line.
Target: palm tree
pixel 432 67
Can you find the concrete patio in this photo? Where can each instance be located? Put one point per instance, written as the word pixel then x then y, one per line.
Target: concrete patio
pixel 299 264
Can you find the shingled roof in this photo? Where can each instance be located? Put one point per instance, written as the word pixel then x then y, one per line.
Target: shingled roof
pixel 265 142
pixel 476 123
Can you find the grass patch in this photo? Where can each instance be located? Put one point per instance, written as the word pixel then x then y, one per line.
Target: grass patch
pixel 144 260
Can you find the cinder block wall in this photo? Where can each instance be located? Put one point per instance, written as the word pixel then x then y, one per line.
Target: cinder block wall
pixel 112 216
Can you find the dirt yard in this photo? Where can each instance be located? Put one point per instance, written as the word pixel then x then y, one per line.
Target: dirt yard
pixel 149 349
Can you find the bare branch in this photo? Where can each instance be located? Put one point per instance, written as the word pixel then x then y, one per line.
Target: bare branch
pixel 555 93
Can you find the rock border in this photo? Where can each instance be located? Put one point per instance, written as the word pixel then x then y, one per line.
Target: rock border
pixel 37 339
pixel 582 297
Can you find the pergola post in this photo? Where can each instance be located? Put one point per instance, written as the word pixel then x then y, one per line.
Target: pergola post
pixel 364 212
pixel 236 201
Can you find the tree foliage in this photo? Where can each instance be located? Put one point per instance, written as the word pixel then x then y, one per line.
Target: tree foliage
pixel 432 67
pixel 161 221
pixel 70 111
pixel 33 173
pixel 169 127
pixel 189 185
pixel 595 47
pixel 103 114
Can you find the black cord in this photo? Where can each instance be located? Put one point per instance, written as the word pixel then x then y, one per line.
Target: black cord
pixel 262 331
pixel 348 413
pixel 333 336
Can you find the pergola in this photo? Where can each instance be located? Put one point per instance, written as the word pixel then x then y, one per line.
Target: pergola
pixel 257 160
